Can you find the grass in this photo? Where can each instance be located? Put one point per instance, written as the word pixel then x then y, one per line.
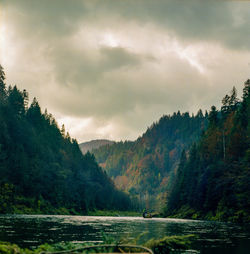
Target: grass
pixel 168 244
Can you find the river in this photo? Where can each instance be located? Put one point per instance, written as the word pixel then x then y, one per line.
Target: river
pixel 33 230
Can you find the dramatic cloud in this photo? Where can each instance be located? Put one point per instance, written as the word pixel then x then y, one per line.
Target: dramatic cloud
pixel 108 69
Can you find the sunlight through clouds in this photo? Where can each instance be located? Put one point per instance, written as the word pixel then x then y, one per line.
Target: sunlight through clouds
pixel 191 55
pixel 7 50
pixel 109 40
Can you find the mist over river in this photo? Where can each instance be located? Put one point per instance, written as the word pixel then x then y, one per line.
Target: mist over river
pixel 33 230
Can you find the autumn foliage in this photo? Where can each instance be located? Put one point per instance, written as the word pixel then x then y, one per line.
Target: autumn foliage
pixel 213 179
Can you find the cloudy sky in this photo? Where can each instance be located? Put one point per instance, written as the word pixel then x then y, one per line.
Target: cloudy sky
pixel 110 68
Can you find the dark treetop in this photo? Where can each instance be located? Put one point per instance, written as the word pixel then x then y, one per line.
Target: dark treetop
pixel 42 169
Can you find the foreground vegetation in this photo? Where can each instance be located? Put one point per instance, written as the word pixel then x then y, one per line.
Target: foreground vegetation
pixel 42 169
pixel 169 244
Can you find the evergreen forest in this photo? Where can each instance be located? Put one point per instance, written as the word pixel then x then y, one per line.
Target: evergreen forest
pixel 189 166
pixel 144 168
pixel 42 169
pixel 213 178
pixel 185 166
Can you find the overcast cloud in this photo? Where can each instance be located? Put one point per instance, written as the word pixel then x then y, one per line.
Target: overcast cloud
pixel 108 69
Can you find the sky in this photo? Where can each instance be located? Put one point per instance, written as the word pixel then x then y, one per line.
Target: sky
pixel 110 68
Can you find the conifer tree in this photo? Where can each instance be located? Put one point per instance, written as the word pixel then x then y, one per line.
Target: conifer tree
pixel 213 117
pixel 216 174
pixel 41 169
pixel 2 85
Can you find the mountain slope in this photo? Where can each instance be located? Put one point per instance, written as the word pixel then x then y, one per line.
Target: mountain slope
pixel 143 168
pixel 213 182
pixel 94 144
pixel 42 169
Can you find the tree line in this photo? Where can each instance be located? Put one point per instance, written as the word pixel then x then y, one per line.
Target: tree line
pixel 144 167
pixel 212 180
pixel 42 168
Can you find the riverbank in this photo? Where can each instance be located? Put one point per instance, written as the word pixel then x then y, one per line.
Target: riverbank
pixel 114 213
pixel 64 211
pixel 221 215
pixel 32 207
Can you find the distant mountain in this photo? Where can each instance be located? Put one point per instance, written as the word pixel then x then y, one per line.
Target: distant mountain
pixel 94 144
pixel 144 167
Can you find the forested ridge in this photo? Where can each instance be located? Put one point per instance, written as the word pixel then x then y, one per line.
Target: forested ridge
pixel 94 144
pixel 42 169
pixel 197 166
pixel 213 179
pixel 144 167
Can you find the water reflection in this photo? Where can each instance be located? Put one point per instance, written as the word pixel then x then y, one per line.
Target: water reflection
pixel 33 230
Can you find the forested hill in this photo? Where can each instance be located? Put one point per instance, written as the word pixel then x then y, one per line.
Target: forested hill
pixel 213 181
pixel 42 169
pixel 94 144
pixel 143 167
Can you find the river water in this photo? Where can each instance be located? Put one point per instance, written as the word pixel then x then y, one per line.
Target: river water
pixel 33 230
